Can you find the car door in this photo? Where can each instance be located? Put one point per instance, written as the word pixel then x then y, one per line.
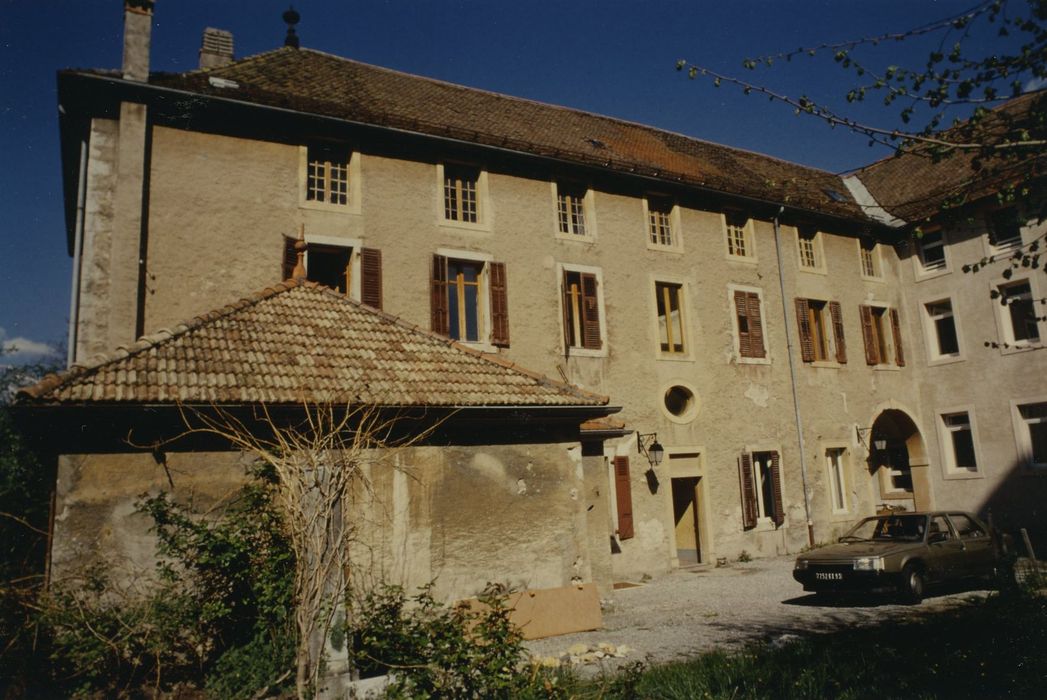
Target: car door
pixel 978 555
pixel 945 552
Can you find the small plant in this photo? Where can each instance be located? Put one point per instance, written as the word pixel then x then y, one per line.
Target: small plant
pixel 744 556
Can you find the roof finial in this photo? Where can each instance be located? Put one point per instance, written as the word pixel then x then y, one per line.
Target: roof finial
pixel 291 17
pixel 300 245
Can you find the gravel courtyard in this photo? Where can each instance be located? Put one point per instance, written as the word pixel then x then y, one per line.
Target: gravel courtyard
pixel 689 611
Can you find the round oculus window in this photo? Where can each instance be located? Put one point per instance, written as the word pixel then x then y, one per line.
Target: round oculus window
pixel 680 402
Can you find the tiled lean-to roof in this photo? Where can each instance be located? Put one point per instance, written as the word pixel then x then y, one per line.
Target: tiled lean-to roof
pixel 318 83
pixel 301 342
pixel 914 185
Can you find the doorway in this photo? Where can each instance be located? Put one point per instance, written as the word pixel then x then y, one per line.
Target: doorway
pixel 686 517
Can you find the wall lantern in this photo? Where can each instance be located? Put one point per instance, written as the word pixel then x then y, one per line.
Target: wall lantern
pixel 648 446
pixel 879 445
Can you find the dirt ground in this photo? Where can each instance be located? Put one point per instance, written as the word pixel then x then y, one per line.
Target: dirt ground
pixel 688 611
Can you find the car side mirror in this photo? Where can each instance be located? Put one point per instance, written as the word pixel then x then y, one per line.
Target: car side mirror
pixel 938 537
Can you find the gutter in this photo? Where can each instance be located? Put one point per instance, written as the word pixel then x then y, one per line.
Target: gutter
pixel 78 232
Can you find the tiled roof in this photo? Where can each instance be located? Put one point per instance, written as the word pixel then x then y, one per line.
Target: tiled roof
pixel 913 186
pixel 315 82
pixel 295 342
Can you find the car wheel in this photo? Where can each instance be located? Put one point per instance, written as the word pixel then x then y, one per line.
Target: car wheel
pixel 912 585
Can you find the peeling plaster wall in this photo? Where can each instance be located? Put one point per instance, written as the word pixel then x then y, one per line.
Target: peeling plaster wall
pixel 458 517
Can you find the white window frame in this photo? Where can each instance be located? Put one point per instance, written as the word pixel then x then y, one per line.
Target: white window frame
pixel 876 259
pixel 947 447
pixel 838 476
pixel 924 271
pixel 484 329
pixel 353 205
pixel 676 236
pixel 354 259
pixel 816 250
pixel 1022 436
pixel 588 211
pixel 1011 245
pixel 930 327
pixel 749 238
pixel 735 340
pixel 685 318
pixel 573 351
pixel 1005 326
pixel 484 212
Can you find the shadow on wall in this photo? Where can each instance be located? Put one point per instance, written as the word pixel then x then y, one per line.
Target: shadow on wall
pixel 1020 501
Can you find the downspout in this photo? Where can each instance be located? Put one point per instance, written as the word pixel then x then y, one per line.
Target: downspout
pixel 74 295
pixel 792 380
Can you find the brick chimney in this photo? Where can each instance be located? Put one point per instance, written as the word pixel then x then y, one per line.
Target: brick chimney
pixel 216 49
pixel 138 27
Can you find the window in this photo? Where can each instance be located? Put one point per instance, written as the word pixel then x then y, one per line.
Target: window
pixel 869 257
pixel 1005 229
pixel 930 249
pixel 880 347
pixel 660 221
pixel 1032 433
pixel 461 198
pixel 943 341
pixel 353 271
pixel 469 300
pixel 737 227
pixel 899 473
pixel 581 310
pixel 327 175
pixel 761 487
pixel 623 497
pixel 837 482
pixel 814 318
pixel 967 528
pixel 1018 314
pixel 748 324
pixel 570 205
pixel 809 245
pixel 959 442
pixel 669 301
pixel 680 403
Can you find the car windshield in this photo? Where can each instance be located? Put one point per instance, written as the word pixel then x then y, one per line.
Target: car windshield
pixel 906 528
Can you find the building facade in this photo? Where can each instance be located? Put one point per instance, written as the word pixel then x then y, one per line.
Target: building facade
pixel 779 331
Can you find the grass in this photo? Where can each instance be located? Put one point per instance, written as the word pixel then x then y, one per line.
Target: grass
pixel 991 648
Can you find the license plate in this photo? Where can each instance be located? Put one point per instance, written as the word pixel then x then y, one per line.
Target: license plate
pixel 828 576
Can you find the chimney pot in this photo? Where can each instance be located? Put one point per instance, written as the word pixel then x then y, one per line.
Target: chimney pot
pixel 138 27
pixel 216 48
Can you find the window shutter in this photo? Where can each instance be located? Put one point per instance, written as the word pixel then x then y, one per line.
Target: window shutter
pixel 745 470
pixel 872 352
pixel 836 311
pixel 776 482
pixel 590 313
pixel 499 305
pixel 290 258
pixel 440 321
pixel 371 277
pixel 742 311
pixel 568 336
pixel 623 497
pixel 803 322
pixel 896 329
pixel 756 346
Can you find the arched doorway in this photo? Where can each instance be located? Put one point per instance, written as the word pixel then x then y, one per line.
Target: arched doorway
pixel 898 461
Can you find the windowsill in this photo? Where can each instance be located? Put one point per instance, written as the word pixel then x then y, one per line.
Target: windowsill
pixel 743 259
pixel 678 249
pixel 841 516
pixel 1006 249
pixel 897 496
pixel 886 368
pixel 575 237
pixel 878 280
pixel 675 357
pixel 765 525
pixel 814 270
pixel 751 360
pixel 824 364
pixel 945 360
pixel 922 275
pixel 962 474
pixel 477 345
pixel 327 206
pixel 587 352
pixel 1024 347
pixel 465 226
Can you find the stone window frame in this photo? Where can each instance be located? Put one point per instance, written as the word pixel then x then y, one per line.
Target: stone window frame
pixel 352 206
pixel 931 335
pixel 484 215
pixel 588 204
pixel 946 442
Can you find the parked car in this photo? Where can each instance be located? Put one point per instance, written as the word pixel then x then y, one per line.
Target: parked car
pixel 901 551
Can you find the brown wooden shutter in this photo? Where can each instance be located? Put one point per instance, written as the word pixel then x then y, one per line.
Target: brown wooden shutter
pixel 623 497
pixel 803 322
pixel 745 471
pixel 290 258
pixel 565 294
pixel 499 305
pixel 836 312
pixel 756 346
pixel 776 482
pixel 439 319
pixel 896 329
pixel 741 309
pixel 371 277
pixel 872 351
pixel 590 313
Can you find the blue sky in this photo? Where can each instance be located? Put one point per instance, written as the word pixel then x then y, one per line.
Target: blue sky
pixel 614 57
